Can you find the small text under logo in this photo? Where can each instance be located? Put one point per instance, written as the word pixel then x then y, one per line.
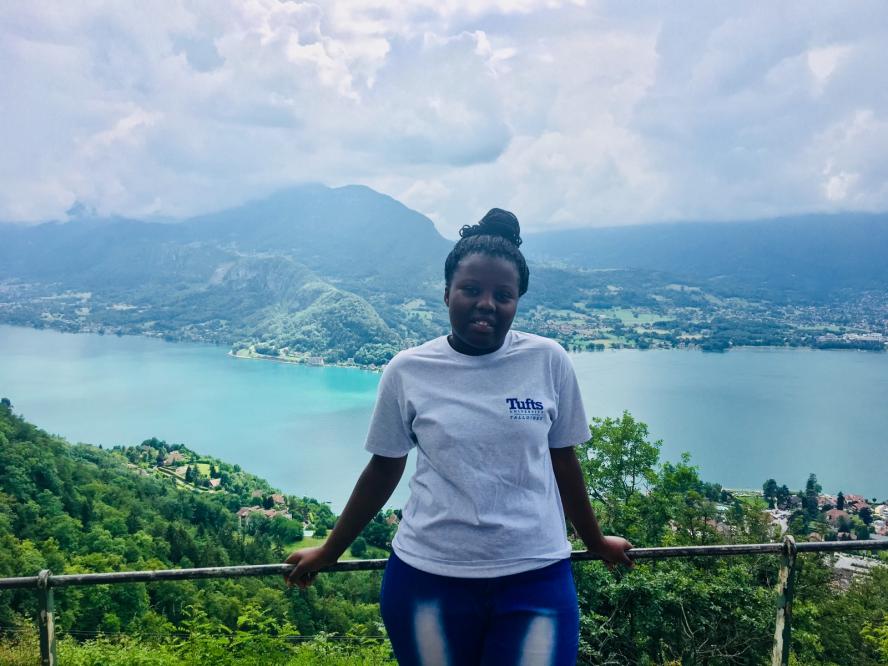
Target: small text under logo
pixel 525 410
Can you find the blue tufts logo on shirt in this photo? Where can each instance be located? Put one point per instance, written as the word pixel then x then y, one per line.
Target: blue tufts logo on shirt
pixel 525 410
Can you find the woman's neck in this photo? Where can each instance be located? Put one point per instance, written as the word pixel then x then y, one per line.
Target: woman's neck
pixel 458 346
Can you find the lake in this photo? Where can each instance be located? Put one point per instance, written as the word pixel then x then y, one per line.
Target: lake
pixel 744 416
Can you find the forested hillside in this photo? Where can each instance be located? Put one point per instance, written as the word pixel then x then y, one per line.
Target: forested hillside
pixel 83 509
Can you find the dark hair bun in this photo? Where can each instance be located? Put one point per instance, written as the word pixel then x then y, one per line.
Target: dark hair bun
pixel 497 222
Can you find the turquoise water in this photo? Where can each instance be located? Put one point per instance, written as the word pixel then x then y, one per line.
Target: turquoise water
pixel 744 416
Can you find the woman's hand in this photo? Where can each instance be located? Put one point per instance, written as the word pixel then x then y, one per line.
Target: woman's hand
pixel 307 563
pixel 612 549
pixel 374 487
pixel 575 500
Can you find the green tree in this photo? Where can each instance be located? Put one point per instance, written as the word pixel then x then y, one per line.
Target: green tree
pixel 810 498
pixel 769 490
pixel 876 635
pixel 285 531
pixel 861 529
pixel 359 547
pixel 798 525
pixel 377 532
pixel 618 462
pixel 783 495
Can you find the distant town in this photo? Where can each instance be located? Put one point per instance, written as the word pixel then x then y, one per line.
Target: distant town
pixel 717 324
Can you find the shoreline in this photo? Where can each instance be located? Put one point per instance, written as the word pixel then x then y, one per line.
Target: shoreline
pixel 377 369
pixel 26 384
pixel 253 356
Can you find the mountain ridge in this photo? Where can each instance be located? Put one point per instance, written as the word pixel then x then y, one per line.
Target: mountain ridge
pixel 345 273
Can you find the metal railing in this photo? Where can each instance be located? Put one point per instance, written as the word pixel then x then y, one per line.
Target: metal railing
pixel 45 581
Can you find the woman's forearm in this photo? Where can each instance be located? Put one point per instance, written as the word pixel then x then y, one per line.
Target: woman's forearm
pixel 373 488
pixel 574 497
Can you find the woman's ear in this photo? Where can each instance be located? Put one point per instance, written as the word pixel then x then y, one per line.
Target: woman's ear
pixel 447 296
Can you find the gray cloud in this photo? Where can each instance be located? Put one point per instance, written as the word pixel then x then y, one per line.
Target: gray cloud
pixel 569 114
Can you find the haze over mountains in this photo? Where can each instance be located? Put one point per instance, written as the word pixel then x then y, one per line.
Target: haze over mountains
pixel 351 273
pixel 810 256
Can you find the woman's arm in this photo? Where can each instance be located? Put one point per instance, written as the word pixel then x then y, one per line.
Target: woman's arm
pixel 375 485
pixel 578 510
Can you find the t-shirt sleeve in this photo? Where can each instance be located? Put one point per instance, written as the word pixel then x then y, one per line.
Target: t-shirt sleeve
pixel 390 433
pixel 570 426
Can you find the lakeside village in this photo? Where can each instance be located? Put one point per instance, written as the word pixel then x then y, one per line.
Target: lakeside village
pixel 254 502
pixel 688 318
pixel 288 521
pixel 260 508
pixel 842 518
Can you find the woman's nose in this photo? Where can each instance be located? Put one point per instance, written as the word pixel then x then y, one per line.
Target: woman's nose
pixel 485 302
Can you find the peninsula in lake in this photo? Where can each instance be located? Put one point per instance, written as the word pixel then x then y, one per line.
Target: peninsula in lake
pixel 348 275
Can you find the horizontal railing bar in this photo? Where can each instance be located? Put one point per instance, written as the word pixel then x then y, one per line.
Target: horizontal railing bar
pixel 17 583
pixel 725 550
pixel 837 546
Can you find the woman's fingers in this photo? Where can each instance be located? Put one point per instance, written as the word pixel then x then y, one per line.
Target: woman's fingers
pixel 302 579
pixel 300 576
pixel 615 552
pixel 305 568
pixel 628 561
pixel 294 558
pixel 295 577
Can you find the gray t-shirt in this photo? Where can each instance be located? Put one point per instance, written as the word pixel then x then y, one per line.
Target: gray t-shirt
pixel 483 500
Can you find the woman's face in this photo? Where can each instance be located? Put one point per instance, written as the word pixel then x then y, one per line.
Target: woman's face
pixel 482 300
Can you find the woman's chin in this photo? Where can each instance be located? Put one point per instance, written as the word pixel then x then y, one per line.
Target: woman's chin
pixel 476 342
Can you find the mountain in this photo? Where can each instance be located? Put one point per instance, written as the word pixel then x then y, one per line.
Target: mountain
pixel 808 256
pixel 348 273
pixel 358 236
pixel 351 233
pixel 312 266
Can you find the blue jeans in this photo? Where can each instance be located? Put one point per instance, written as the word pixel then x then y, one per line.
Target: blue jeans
pixel 526 618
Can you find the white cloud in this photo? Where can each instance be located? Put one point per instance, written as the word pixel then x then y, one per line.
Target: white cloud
pixel 569 114
pixel 823 62
pixel 126 130
pixel 852 152
pixel 837 186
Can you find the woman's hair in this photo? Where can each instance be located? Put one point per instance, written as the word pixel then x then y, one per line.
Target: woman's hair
pixel 496 235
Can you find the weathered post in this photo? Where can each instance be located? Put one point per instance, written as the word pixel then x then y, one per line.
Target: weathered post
pixel 785 586
pixel 46 620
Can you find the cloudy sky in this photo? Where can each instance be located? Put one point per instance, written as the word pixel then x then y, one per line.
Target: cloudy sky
pixel 569 113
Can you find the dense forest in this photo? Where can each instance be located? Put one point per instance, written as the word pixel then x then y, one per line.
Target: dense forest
pixel 78 508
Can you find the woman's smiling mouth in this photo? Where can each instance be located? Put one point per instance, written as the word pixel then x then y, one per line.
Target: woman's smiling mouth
pixel 482 325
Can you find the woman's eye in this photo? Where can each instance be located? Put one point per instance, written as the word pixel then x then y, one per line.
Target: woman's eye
pixel 504 297
pixel 473 291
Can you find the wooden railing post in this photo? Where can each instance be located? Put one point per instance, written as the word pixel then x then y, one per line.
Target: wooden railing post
pixel 785 588
pixel 46 620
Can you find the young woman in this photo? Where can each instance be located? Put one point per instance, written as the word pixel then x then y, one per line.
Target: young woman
pixel 480 571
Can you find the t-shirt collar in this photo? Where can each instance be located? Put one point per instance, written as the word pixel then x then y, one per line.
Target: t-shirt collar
pixel 483 358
